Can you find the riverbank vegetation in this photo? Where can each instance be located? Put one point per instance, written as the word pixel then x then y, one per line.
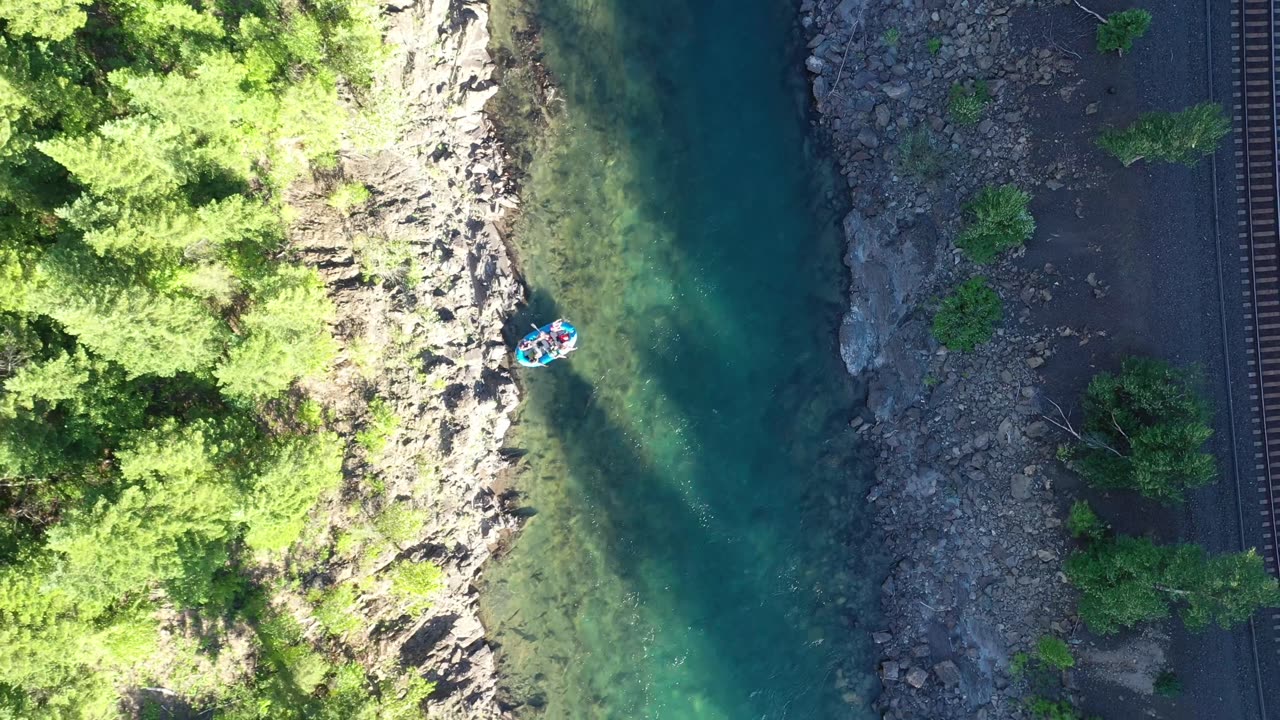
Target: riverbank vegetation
pixel 1145 430
pixel 155 452
pixel 968 316
pixel 998 220
pixel 1176 137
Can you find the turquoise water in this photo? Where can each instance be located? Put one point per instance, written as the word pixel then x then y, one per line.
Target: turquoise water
pixel 696 547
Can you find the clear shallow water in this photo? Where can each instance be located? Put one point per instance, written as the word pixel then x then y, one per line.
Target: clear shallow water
pixel 698 548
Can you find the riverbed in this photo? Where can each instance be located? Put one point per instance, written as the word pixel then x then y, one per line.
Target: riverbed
pixel 696 546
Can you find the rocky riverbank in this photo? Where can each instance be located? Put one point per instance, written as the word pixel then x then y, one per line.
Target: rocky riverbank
pixel 422 284
pixel 964 491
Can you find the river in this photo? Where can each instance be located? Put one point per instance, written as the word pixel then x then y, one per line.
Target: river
pixel 697 546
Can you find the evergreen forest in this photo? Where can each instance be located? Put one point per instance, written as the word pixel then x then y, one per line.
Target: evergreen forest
pixel 153 443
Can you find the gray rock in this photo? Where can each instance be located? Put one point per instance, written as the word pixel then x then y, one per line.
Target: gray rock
pixel 814 64
pixel 868 138
pixel 916 677
pixel 948 673
pixel 883 115
pixel 888 267
pixel 924 483
pixel 889 670
pixel 1020 486
pixel 897 90
pixel 880 638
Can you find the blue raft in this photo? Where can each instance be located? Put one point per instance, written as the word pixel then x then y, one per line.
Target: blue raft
pixel 547 344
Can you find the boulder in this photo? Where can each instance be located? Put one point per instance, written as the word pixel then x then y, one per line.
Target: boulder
pixel 948 673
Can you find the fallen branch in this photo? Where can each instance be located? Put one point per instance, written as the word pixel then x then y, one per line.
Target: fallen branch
pixel 840 71
pixel 1100 18
pixel 1064 423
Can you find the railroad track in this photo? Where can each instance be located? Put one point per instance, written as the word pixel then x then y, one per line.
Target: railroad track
pixel 1255 31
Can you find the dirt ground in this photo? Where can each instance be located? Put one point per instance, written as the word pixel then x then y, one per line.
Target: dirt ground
pixel 1142 257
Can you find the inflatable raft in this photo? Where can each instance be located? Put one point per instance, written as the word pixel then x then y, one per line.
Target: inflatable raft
pixel 547 344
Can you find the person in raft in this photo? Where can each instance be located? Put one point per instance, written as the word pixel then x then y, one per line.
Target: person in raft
pixel 559 338
pixel 552 342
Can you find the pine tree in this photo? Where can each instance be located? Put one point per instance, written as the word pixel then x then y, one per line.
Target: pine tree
pixel 46 19
pixel 126 322
pixel 284 488
pixel 284 336
pixel 1120 29
pixel 162 528
pixel 129 158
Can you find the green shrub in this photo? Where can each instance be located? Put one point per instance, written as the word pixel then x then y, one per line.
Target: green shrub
pixel 998 221
pixel 1121 29
pixel 891 37
pixel 1177 137
pixel 334 609
pixel 966 105
pixel 387 260
pixel 934 45
pixel 1018 664
pixel 383 423
pixel 1084 523
pixel 1046 709
pixel 1125 581
pixel 348 195
pixel 968 316
pixel 399 523
pixel 1168 684
pixel 1055 653
pixel 1144 430
pixel 415 584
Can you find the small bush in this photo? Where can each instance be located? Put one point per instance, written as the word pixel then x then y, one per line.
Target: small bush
pixel 965 105
pixel 1055 653
pixel 1175 137
pixel 415 584
pixel 1121 29
pixel 399 523
pixel 387 260
pixel 1046 709
pixel 383 422
pixel 348 195
pixel 334 609
pixel 1168 684
pixel 891 37
pixel 999 221
pixel 934 45
pixel 918 156
pixel 968 316
pixel 1084 523
pixel 1018 664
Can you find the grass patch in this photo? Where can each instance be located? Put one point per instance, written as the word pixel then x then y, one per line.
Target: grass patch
pixel 919 156
pixel 891 37
pixel 966 105
pixel 934 45
pixel 1055 653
